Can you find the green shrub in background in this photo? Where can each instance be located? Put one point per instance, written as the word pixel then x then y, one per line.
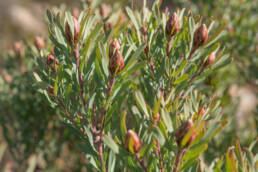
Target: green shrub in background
pixel 133 91
pixel 29 125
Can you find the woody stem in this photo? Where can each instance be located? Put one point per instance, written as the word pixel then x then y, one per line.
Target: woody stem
pixel 179 158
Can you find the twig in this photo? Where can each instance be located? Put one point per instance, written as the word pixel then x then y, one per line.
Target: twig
pixel 141 162
pixel 160 156
pixel 101 133
pixel 179 157
pixel 76 55
pixel 192 53
pixel 202 64
pixel 168 48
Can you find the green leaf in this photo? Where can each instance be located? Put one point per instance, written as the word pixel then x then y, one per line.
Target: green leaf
pixel 167 120
pixel 56 85
pixel 111 161
pixel 231 165
pixel 239 153
pixel 223 61
pixel 181 79
pixel 219 164
pixel 195 151
pixel 141 102
pixel 249 156
pixel 69 19
pixel 83 23
pixel 123 124
pixel 104 58
pixel 182 66
pixel 132 60
pixel 159 136
pixel 90 43
pixel 212 129
pixel 111 143
pixel 133 19
pixel 49 16
pixel 36 76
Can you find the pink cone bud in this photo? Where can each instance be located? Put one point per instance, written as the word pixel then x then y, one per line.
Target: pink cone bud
pixel 182 131
pixel 40 43
pixel 201 111
pixel 212 58
pixel 76 12
pixel 69 34
pixel 52 62
pixel 132 142
pixel 200 36
pixel 116 63
pixel 157 118
pixel 144 29
pixel 113 47
pixel 104 10
pixel 18 47
pixel 51 90
pixel 172 26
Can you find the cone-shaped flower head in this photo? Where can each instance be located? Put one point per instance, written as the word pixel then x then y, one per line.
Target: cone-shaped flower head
pixel 172 26
pixel 200 36
pixel 182 131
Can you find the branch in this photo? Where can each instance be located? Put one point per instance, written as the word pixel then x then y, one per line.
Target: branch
pixel 76 55
pixel 160 156
pixel 179 157
pixel 141 162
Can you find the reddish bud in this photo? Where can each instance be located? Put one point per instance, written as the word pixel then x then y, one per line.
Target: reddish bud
pixel 212 58
pixel 200 36
pixel 104 10
pixel 156 119
pixel 18 47
pixel 7 77
pixel 114 46
pixel 52 62
pixel 51 90
pixel 116 63
pixel 76 12
pixel 172 26
pixel 144 29
pixel 72 38
pixel 182 131
pixel 146 50
pixel 40 43
pixel 132 142
pixel 201 111
pixel 68 33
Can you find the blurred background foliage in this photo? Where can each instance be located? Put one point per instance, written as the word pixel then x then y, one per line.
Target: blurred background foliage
pixel 30 128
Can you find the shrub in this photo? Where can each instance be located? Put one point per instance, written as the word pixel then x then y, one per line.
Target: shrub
pixel 132 89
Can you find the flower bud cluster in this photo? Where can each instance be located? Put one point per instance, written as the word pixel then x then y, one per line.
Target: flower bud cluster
pixel 200 36
pixel 116 61
pixel 172 26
